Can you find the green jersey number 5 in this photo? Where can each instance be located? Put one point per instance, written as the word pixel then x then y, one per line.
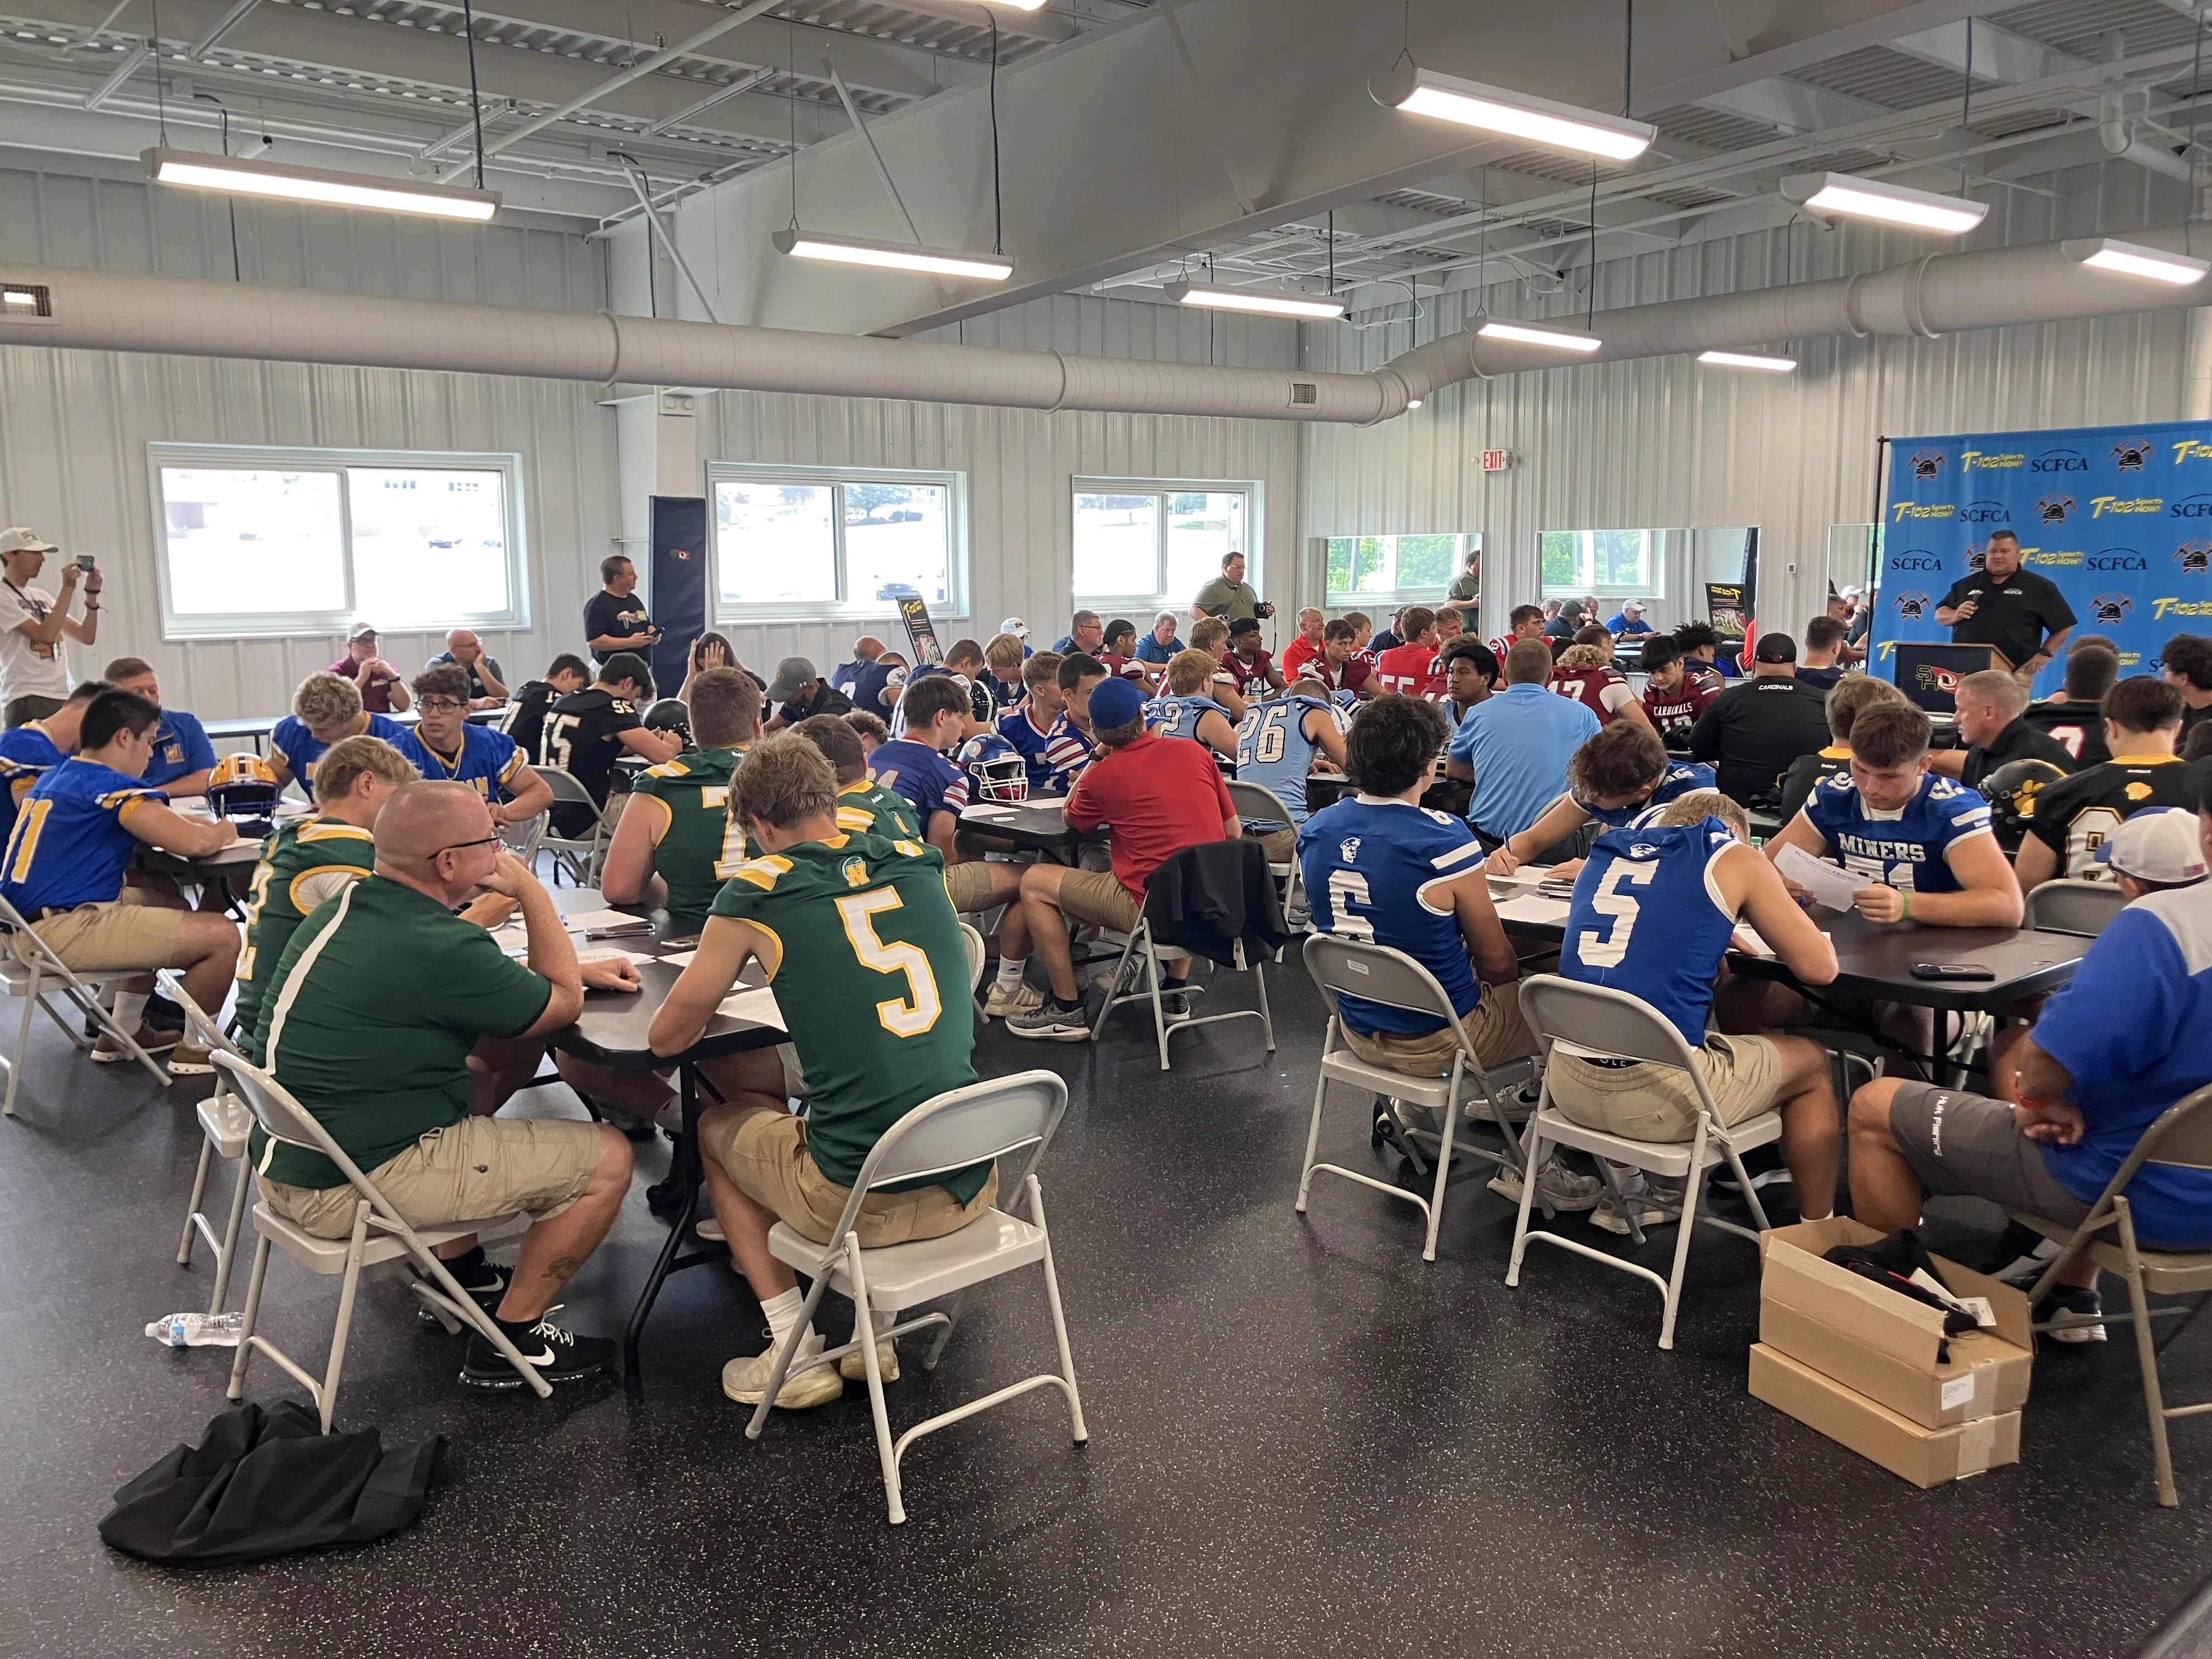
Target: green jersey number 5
pixel 901 1016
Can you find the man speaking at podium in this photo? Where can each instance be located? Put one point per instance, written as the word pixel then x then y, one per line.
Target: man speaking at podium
pixel 2009 608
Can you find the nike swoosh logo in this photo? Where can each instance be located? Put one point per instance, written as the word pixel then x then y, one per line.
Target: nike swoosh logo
pixel 543 1357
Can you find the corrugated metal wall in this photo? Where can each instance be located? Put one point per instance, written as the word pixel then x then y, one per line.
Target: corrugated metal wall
pixel 1020 462
pixel 74 425
pixel 1671 444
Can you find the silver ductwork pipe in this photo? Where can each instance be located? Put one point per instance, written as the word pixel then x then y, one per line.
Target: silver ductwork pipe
pixel 1939 293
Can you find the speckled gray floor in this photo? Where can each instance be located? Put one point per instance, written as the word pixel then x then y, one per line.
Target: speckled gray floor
pixel 1304 1441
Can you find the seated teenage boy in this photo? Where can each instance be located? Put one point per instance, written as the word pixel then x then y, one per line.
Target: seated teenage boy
pixel 2128 1036
pixel 588 731
pixel 1673 697
pixel 1616 778
pixel 2069 821
pixel 29 752
pixel 1158 796
pixel 1653 913
pixel 865 956
pixel 526 714
pixel 1853 693
pixel 864 807
pixel 444 747
pixel 1276 745
pixel 1211 636
pixel 1051 748
pixel 75 838
pixel 324 708
pixel 1191 707
pixel 675 836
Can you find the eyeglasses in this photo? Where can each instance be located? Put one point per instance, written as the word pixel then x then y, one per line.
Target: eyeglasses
pixel 462 846
pixel 441 706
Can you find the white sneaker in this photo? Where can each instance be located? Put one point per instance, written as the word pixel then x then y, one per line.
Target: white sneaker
pixel 1016 999
pixel 1557 1187
pixel 1644 1196
pixel 746 1380
pixel 853 1367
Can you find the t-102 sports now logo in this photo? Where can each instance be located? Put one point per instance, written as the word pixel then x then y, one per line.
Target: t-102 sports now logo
pixel 2100 505
pixel 1917 510
pixel 1983 460
pixel 2161 609
pixel 2191 449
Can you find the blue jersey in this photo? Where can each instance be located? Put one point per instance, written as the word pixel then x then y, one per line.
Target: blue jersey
pixel 1367 864
pixel 1908 849
pixel 925 778
pixel 1683 778
pixel 1004 694
pixel 180 749
pixel 26 754
pixel 1273 751
pixel 978 700
pixel 299 749
pixel 1647 919
pixel 1055 757
pixel 488 761
pixel 1178 717
pixel 70 845
pixel 863 684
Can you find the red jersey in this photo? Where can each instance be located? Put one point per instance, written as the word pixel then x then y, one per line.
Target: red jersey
pixel 1158 795
pixel 1251 674
pixel 1604 691
pixel 1358 669
pixel 1412 669
pixel 1126 668
pixel 1297 655
pixel 1676 711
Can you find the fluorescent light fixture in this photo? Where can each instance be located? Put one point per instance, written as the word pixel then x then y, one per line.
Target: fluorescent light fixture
pixel 16 296
pixel 1749 359
pixel 2133 259
pixel 1872 198
pixel 1412 403
pixel 894 256
pixel 1522 334
pixel 1539 120
pixel 1263 302
pixel 1019 5
pixel 298 183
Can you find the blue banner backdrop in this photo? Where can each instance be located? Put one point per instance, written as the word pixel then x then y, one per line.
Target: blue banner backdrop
pixel 2120 517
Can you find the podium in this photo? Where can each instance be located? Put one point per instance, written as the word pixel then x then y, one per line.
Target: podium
pixel 1929 674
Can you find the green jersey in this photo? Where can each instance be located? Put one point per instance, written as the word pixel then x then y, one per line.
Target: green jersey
pixel 301 864
pixel 691 798
pixel 866 808
pixel 369 1018
pixel 872 984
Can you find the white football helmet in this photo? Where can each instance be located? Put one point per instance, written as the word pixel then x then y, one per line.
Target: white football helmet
pixel 1002 777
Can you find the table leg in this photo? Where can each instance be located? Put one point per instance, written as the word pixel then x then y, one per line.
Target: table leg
pixel 684 1171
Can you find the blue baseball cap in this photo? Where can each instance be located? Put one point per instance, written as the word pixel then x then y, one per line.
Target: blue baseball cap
pixel 1116 702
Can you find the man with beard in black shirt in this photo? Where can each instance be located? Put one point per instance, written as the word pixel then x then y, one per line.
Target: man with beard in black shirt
pixel 586 732
pixel 2022 614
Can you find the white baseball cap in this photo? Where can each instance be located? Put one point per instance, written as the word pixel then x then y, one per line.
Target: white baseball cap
pixel 1015 626
pixel 2160 845
pixel 20 540
pixel 360 630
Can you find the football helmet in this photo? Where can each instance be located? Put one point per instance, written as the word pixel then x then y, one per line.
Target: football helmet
pixel 2012 789
pixel 244 787
pixel 1001 775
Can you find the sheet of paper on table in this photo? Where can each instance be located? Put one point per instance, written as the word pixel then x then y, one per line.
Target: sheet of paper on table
pixel 583 956
pixel 1829 883
pixel 756 1004
pixel 1747 939
pixel 1534 909
pixel 584 922
pixel 990 813
pixel 679 958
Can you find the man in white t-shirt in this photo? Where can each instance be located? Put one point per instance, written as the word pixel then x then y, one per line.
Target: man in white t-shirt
pixel 34 676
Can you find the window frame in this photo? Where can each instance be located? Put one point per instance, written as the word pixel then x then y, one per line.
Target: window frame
pixel 296 624
pixel 1655 558
pixel 844 608
pixel 1129 604
pixel 1396 598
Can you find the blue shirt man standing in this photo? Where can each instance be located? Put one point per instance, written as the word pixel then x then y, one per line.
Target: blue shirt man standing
pixel 1515 743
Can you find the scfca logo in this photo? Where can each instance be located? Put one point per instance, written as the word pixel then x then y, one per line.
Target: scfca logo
pixel 1912 607
pixel 2110 610
pixel 2053 509
pixel 1916 559
pixel 2117 558
pixel 1927 465
pixel 2195 559
pixel 2131 455
pixel 2191 506
pixel 2059 460
pixel 1993 511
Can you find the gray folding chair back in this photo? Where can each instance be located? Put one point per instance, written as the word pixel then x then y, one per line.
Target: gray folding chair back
pixel 2074 906
pixel 381 1235
pixel 1342 967
pixel 1257 801
pixel 1605 1024
pixel 224 1121
pixel 978 1124
pixel 577 854
pixel 977 952
pixel 44 974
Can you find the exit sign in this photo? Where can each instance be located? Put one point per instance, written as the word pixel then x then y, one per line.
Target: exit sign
pixel 1497 460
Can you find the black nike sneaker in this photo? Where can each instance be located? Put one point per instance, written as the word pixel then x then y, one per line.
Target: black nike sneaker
pixel 557 1355
pixel 485 1283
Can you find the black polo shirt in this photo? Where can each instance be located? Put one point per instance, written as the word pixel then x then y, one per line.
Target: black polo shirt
pixel 1753 731
pixel 828 700
pixel 2014 615
pixel 613 617
pixel 2019 741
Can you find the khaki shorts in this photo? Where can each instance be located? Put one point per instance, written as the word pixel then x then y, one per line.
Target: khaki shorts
pixel 1281 846
pixel 1096 897
pixel 1645 1101
pixel 1494 1026
pixel 98 937
pixel 765 1154
pixel 472 1170
pixel 969 886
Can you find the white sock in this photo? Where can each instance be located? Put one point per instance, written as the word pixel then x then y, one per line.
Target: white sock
pixel 1010 972
pixel 783 1313
pixel 129 1008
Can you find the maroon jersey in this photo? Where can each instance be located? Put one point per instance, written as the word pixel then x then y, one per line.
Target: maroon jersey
pixel 1604 691
pixel 1676 711
pixel 1124 668
pixel 1251 676
pixel 1359 668
pixel 1412 669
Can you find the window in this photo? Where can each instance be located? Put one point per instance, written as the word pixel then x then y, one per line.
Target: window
pixel 285 542
pixel 806 543
pixel 1155 544
pixel 1625 563
pixel 1371 569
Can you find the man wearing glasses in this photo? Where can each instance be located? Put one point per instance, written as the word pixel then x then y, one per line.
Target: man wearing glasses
pixel 404 1068
pixel 445 747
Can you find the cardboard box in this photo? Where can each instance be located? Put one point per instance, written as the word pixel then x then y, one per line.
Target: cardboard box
pixel 1885 1346
pixel 1926 1457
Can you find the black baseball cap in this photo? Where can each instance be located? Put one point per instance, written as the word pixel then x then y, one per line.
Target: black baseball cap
pixel 1776 647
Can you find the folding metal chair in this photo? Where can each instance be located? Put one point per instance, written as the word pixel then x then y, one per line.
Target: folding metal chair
pixel 46 974
pixel 1150 981
pixel 1594 1020
pixel 1256 801
pixel 379 1238
pixel 524 839
pixel 578 856
pixel 225 1123
pixel 1375 973
pixel 2074 907
pixel 2180 1138
pixel 974 1124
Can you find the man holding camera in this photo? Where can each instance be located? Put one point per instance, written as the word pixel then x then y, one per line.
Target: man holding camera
pixel 34 677
pixel 615 618
pixel 1229 596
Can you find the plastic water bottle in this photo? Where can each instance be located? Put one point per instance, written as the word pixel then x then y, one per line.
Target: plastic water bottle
pixel 198 1330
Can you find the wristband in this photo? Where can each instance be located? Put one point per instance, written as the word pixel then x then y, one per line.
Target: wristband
pixel 1906 893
